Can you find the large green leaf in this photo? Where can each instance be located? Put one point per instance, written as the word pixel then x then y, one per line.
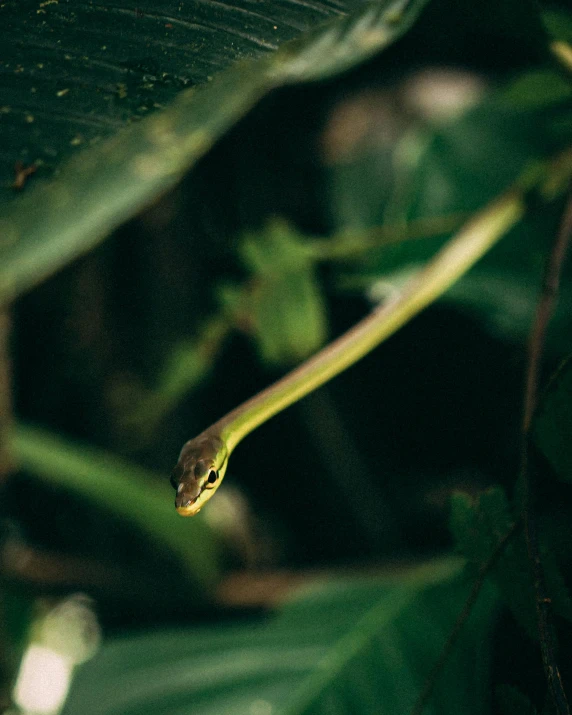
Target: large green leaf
pixel 342 646
pixel 76 72
pixel 111 181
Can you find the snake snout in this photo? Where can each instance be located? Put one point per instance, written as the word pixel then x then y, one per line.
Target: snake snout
pixel 186 503
pixel 185 495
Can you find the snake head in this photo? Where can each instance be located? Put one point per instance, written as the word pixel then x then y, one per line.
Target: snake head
pixel 198 473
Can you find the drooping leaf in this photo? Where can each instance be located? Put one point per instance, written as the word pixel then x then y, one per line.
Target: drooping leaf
pixel 347 645
pixel 74 73
pixel 106 184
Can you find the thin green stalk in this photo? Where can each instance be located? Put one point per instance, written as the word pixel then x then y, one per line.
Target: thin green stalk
pixel 203 461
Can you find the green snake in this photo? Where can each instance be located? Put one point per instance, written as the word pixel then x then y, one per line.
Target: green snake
pixel 204 460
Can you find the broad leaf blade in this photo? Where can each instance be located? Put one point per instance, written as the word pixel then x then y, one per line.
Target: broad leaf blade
pixel 79 71
pixel 348 645
pixel 107 184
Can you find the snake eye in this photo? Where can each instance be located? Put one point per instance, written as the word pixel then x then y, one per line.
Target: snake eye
pixel 213 476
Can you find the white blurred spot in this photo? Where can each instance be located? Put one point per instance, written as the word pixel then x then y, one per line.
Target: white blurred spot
pixel 442 94
pixel 43 681
pixel 67 635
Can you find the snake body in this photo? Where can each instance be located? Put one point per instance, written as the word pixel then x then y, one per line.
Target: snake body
pixel 203 460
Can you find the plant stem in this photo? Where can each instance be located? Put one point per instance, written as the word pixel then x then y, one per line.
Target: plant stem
pixel 544 311
pixel 462 618
pixel 354 243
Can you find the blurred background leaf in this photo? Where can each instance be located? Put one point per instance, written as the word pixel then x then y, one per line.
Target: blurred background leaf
pixel 285 288
pixel 107 184
pixel 450 124
pixel 341 645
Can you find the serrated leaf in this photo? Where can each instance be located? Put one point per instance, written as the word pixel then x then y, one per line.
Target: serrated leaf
pixel 552 425
pixel 345 645
pixel 478 526
pixel 108 183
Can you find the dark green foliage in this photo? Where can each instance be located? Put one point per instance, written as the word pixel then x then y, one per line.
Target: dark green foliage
pixel 284 286
pixel 109 183
pixel 135 495
pixel 104 67
pixel 513 702
pixel 265 175
pixel 478 526
pixel 552 427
